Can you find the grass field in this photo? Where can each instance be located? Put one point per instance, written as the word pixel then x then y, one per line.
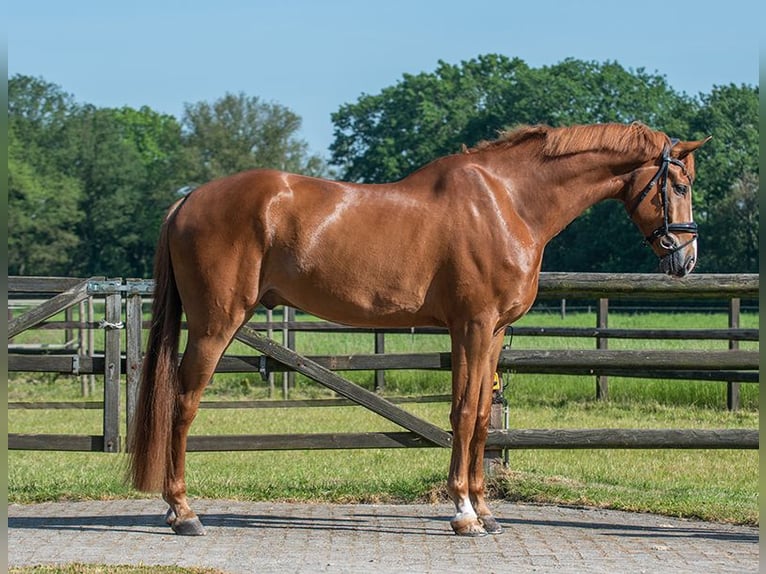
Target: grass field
pixel 717 485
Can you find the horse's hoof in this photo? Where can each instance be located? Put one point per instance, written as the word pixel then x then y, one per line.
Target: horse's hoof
pixel 490 524
pixel 467 526
pixel 188 527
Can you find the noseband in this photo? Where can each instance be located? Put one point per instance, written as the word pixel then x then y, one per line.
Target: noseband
pixel 666 228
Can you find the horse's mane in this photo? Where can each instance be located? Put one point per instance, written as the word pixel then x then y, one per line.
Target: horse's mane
pixel 619 138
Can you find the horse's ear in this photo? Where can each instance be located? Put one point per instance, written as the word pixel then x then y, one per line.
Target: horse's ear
pixel 681 149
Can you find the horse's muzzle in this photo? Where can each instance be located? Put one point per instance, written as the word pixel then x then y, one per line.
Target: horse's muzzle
pixel 678 263
pixel 680 258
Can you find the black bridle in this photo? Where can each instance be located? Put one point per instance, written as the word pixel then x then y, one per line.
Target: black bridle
pixel 666 228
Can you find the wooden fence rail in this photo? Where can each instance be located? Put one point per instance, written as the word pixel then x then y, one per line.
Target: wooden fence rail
pixel 704 365
pixel 123 355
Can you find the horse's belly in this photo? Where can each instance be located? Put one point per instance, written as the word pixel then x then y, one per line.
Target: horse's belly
pixel 354 298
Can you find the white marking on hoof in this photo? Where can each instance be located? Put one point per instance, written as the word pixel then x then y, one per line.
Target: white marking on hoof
pixel 465 516
pixel 467 524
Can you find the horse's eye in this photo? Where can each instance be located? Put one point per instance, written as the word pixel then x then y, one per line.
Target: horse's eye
pixel 681 189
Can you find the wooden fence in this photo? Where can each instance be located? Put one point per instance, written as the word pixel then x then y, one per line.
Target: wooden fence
pixel 123 304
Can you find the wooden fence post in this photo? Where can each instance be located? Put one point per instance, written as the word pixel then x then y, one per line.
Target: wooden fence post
pixel 493 456
pixel 380 349
pixel 10 318
pixel 732 388
pixel 91 343
pixel 288 340
pixel 68 330
pixel 270 335
pixel 133 349
pixel 602 322
pixel 82 345
pixel 112 325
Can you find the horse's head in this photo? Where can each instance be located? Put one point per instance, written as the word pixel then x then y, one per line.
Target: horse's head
pixel 660 204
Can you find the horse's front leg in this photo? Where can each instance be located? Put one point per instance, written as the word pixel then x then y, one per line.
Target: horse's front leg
pixel 476 471
pixel 471 345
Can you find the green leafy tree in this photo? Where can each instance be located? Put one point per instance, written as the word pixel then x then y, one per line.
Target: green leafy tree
pixel 384 137
pixel 127 161
pixel 581 92
pixel 38 112
pixel 110 171
pixel 88 187
pixel 43 215
pixel 43 200
pixel 237 132
pixel 727 166
pixel 730 115
pixel 735 227
pixel 156 139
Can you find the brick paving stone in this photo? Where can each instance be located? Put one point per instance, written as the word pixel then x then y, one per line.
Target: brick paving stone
pixel 265 537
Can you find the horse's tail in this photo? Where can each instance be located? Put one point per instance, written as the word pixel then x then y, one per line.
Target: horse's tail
pixel 150 436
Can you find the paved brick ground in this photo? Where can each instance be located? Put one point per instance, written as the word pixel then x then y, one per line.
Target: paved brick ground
pixel 307 538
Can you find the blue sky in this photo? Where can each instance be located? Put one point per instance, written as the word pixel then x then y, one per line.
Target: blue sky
pixel 314 56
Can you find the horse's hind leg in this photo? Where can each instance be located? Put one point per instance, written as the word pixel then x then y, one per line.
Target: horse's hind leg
pixel 205 345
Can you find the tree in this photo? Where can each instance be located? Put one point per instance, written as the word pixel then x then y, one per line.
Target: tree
pixel 38 111
pixel 43 215
pixel 237 132
pixel 384 137
pixel 730 115
pixel 736 225
pixel 727 166
pixel 43 201
pixel 127 161
pixel 156 139
pixel 88 186
pixel 581 92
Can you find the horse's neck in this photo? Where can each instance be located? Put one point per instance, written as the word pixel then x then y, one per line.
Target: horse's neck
pixel 561 190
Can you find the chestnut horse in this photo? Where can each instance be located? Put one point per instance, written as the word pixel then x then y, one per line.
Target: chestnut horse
pixel 457 243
